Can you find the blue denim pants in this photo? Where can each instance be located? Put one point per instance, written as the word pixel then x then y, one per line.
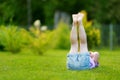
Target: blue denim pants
pixel 78 61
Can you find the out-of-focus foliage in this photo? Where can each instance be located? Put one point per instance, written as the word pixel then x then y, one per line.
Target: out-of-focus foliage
pixel 104 11
pixel 15 11
pixel 16 39
pixel 13 39
pixel 40 42
pixel 61 36
pixel 12 11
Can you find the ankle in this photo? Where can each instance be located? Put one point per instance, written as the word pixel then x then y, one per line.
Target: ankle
pixel 75 24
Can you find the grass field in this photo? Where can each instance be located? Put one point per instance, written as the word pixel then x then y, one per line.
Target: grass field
pixel 52 66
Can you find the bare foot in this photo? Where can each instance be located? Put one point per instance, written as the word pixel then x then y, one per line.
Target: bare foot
pixel 75 19
pixel 80 17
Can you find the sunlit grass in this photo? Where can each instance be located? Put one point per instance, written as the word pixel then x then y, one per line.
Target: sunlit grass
pixel 52 66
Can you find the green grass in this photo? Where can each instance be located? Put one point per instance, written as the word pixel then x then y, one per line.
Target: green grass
pixel 52 66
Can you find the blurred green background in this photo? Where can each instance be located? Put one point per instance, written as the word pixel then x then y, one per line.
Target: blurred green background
pixel 34 38
pixel 46 24
pixel 12 11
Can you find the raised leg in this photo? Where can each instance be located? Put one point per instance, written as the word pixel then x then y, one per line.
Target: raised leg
pixel 77 22
pixel 82 34
pixel 73 35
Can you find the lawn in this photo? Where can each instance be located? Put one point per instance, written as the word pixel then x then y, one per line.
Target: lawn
pixel 52 66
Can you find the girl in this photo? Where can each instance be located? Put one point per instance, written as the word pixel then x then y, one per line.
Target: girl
pixel 79 58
